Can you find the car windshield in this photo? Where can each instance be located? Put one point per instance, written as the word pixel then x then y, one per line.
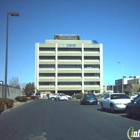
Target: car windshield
pixel 119 96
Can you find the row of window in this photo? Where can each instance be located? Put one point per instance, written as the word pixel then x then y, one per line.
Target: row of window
pixel 70 57
pixel 69 74
pixel 69 83
pixel 70 49
pixel 68 66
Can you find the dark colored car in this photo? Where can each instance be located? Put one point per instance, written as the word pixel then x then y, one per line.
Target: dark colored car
pixel 133 108
pixel 89 99
pixel 34 97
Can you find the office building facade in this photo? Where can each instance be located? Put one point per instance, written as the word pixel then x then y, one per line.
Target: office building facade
pixel 69 65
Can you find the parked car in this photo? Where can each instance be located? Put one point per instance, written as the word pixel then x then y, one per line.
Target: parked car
pixel 89 99
pixel 61 97
pixel 34 97
pixel 52 96
pixel 69 97
pixel 133 108
pixel 115 101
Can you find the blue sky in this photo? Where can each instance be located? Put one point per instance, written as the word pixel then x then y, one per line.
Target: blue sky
pixel 114 23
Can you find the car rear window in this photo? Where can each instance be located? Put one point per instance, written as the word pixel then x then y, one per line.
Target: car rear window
pixel 119 96
pixel 90 96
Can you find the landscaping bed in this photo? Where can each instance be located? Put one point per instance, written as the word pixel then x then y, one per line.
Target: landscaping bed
pixel 6 103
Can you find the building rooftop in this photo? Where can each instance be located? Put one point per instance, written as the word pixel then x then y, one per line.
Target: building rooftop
pixel 66 37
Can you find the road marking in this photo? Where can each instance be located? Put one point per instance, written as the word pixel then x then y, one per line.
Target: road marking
pixel 40 137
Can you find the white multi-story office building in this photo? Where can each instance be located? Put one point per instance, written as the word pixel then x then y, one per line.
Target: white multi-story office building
pixel 69 65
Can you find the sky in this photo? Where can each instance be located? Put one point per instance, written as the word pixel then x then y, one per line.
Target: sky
pixel 114 23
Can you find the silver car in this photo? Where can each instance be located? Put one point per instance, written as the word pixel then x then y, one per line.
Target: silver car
pixel 115 101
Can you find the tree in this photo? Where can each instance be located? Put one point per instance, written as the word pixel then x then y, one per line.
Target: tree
pixel 135 88
pixel 29 89
pixel 14 82
pixel 127 91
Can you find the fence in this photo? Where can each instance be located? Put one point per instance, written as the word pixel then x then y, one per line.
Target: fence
pixel 11 92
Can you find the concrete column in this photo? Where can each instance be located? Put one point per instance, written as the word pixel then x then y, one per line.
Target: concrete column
pixel 82 67
pixel 56 67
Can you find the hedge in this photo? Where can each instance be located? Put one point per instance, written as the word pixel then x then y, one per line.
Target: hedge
pixel 79 95
pixel 21 98
pixel 6 104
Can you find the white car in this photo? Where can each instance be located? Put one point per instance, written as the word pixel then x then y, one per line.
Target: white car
pixel 69 97
pixel 115 101
pixel 61 97
pixel 52 96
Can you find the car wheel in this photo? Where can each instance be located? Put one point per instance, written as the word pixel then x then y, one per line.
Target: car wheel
pixel 128 113
pixel 81 103
pixel 112 108
pixel 52 99
pixel 102 107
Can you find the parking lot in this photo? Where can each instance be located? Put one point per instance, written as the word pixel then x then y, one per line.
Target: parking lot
pixel 64 120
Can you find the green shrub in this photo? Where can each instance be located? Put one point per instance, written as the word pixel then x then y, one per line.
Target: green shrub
pixel 28 98
pixel 1 107
pixel 9 103
pixel 24 99
pixel 79 95
pixel 6 103
pixel 21 99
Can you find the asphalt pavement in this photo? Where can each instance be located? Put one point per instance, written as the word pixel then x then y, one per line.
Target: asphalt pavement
pixel 64 120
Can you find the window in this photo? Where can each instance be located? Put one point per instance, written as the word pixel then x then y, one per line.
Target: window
pixel 69 74
pixel 70 49
pixel 92 74
pixel 69 57
pixel 47 57
pixel 69 83
pixel 106 96
pixel 91 49
pixel 47 83
pixel 91 66
pixel 91 57
pixel 91 83
pixel 119 96
pixel 46 66
pixel 46 74
pixel 46 49
pixel 69 66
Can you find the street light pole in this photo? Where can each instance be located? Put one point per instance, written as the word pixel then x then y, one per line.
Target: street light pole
pixel 6 53
pixel 122 74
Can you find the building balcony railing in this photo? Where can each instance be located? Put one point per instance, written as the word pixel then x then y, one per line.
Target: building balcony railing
pixel 70 70
pixel 69 53
pixel 46 87
pixel 69 79
pixel 47 70
pixel 69 87
pixel 91 70
pixel 50 79
pixel 91 54
pixel 48 53
pixel 92 79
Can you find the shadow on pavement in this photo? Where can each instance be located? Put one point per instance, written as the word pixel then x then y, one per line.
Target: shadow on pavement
pixel 134 117
pixel 122 114
pixel 108 111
